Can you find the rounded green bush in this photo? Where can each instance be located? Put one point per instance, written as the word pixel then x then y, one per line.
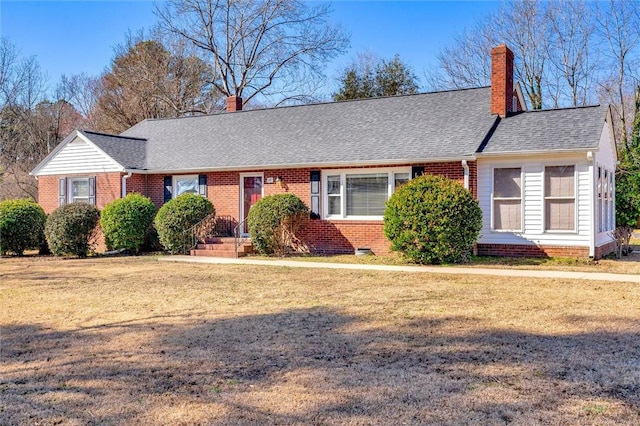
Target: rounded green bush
pixel 177 216
pixel 432 219
pixel 126 221
pixel 21 226
pixel 273 222
pixel 72 229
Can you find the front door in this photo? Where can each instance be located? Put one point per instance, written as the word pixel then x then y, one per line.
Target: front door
pixel 251 187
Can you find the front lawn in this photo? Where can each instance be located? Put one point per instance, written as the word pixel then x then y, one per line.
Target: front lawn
pixel 136 341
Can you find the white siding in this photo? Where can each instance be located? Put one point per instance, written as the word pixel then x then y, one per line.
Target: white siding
pixel 533 201
pixel 79 156
pixel 605 158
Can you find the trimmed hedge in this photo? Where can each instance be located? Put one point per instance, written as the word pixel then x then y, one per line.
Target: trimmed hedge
pixel 21 226
pixel 177 216
pixel 72 229
pixel 126 221
pixel 432 219
pixel 273 222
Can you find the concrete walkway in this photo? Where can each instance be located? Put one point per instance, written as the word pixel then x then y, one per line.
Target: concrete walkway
pixel 594 276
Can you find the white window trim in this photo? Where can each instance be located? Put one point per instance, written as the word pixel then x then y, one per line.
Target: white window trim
pixel 70 181
pixel 174 182
pixel 545 198
pixel 522 183
pixel 391 171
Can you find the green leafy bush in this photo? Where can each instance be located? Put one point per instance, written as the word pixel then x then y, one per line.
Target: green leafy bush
pixel 177 216
pixel 273 222
pixel 432 219
pixel 126 221
pixel 72 229
pixel 21 226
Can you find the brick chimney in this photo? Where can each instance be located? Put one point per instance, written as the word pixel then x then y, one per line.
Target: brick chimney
pixel 234 103
pixel 501 80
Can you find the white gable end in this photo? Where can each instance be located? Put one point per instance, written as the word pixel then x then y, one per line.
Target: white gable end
pixel 79 156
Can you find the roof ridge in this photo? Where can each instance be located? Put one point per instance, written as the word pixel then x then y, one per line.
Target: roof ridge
pixel 110 135
pixel 562 108
pixel 223 113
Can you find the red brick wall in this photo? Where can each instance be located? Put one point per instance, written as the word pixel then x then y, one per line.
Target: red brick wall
pixel 335 236
pixel 136 184
pixel 108 188
pixel 526 250
pixel 48 193
pixel 605 250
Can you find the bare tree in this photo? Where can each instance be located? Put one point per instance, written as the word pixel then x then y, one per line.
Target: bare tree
pixel 617 23
pixel 467 62
pixel 146 80
pixel 571 29
pixel 260 47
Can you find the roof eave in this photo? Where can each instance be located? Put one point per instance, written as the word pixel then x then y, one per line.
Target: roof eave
pixel 538 152
pixel 323 165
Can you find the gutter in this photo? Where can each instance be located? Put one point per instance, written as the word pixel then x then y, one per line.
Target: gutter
pixel 465 168
pixel 124 183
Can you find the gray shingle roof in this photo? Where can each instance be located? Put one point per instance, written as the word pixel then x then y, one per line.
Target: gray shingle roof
pixel 129 152
pixel 548 130
pixel 430 126
pixel 434 126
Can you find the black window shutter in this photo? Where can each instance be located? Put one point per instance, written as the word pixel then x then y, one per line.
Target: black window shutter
pixel 314 178
pixel 62 191
pixel 92 190
pixel 202 183
pixel 417 171
pixel 168 188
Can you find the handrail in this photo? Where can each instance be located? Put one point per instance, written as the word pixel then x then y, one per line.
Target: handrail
pixel 199 231
pixel 238 237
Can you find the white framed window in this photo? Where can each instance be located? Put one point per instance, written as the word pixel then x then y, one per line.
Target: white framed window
pixel 77 190
pixel 612 202
pixel 185 184
pixel 360 193
pixel 560 198
pixel 507 199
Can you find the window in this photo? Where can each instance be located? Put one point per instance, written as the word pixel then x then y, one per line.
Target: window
pixel 612 204
pixel 77 190
pixel 507 199
pixel 186 185
pixel 559 200
pixel 599 203
pixel 361 193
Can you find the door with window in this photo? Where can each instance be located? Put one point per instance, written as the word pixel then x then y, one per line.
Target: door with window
pixel 251 190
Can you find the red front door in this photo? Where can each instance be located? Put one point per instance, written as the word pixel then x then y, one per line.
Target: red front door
pixel 251 193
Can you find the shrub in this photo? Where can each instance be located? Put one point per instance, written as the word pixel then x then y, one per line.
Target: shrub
pixel 72 229
pixel 177 216
pixel 126 221
pixel 21 226
pixel 273 222
pixel 432 219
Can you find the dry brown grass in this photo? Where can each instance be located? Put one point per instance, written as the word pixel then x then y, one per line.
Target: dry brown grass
pixel 135 341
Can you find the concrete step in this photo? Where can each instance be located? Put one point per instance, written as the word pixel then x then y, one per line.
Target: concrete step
pixel 217 253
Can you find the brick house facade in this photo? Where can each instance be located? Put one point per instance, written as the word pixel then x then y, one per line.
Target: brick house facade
pixel 543 179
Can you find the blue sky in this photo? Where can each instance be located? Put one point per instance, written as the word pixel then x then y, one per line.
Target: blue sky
pixel 70 37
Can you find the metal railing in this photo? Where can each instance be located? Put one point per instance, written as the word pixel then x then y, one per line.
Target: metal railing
pixel 240 237
pixel 209 227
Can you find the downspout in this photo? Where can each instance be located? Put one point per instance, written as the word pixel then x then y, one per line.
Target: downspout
pixel 592 209
pixel 124 184
pixel 465 168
